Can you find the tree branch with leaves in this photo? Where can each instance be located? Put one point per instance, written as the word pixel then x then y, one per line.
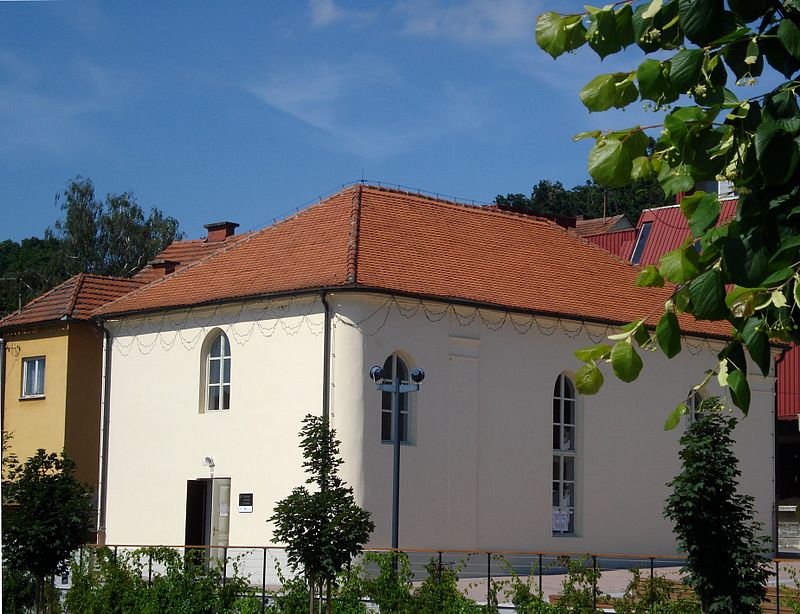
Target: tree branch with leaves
pixel 747 270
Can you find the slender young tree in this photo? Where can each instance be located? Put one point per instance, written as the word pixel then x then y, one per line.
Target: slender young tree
pixel 726 560
pixel 323 529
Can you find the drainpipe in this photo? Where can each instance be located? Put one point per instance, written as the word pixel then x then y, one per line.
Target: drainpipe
pixel 326 359
pixel 775 468
pixel 104 423
pixel 3 386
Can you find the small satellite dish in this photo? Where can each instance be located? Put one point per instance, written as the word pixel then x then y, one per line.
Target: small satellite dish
pixel 208 462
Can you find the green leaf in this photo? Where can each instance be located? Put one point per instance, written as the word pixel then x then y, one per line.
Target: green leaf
pixel 654 83
pixel 708 296
pixel 749 10
pixel 776 152
pixel 575 32
pixel 757 343
pixel 742 301
pixel 551 33
pixel 675 417
pixel 642 169
pixel 778 277
pixel 624 22
pixel 679 265
pixel 652 9
pixel 650 277
pixel 609 163
pixel 606 91
pixel 588 379
pixel 590 134
pixel 668 334
pixel 602 33
pixel 789 35
pixel 698 20
pixel 685 68
pixel 593 352
pixel 625 361
pixel 701 209
pixel 740 390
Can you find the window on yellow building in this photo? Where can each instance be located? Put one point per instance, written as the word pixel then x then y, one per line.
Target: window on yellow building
pixel 33 377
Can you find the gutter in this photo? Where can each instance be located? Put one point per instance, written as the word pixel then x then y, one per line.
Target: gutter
pixel 104 424
pixel 326 358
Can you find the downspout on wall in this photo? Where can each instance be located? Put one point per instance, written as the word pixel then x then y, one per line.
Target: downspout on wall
pixel 3 385
pixel 775 463
pixel 326 359
pixel 104 423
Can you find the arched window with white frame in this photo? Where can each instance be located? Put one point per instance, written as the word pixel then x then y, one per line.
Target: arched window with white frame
pixel 394 366
pixel 565 426
pixel 217 363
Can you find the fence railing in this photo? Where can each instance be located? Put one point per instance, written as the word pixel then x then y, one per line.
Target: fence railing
pixel 482 575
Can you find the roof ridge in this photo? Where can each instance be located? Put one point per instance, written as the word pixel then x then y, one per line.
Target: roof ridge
pixel 353 239
pixel 74 298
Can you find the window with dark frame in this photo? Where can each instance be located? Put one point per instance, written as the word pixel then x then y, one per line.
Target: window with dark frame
pixel 33 376
pixel 394 365
pixel 564 456
pixel 218 374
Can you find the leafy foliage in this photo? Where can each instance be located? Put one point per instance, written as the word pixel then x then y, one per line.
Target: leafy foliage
pixel 323 530
pixel 112 237
pixel 748 270
pixel 28 269
pixel 553 198
pixel 47 513
pixel 714 523
pixel 109 582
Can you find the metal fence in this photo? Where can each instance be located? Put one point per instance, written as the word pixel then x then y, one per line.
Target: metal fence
pixel 483 576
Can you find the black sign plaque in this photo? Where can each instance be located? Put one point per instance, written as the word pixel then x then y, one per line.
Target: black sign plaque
pixel 245 502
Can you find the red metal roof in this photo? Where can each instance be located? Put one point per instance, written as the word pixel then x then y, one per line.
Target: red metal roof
pixel 75 299
pixel 670 229
pixel 597 225
pixel 619 243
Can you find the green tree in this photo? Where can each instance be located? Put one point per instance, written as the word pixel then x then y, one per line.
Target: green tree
pixel 726 561
pixel 590 199
pixel 47 514
pixel 27 269
pixel 323 530
pixel 112 237
pixel 747 270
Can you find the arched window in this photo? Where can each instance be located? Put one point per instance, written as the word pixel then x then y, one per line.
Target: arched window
pixel 218 373
pixel 564 456
pixel 394 367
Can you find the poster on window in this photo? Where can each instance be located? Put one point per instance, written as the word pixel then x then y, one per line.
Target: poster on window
pixel 560 521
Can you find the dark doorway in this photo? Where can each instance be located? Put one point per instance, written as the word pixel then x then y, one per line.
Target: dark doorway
pixel 198 516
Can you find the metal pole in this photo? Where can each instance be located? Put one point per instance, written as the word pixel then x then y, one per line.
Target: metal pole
pixel 540 575
pixel 264 582
pixel 488 579
pixel 396 469
pixel 224 564
pixel 149 567
pixel 594 581
pixel 778 587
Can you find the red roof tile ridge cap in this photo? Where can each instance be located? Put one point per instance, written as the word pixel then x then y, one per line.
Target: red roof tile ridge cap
pixel 75 293
pixel 352 243
pixel 246 238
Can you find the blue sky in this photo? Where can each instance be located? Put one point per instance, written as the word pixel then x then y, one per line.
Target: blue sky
pixel 246 110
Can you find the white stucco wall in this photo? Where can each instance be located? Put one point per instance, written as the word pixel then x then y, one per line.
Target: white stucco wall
pixel 478 471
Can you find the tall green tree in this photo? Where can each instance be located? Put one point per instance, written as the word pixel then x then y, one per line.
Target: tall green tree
pixel 590 199
pixel 111 237
pixel 27 269
pixel 47 515
pixel 726 560
pixel 747 271
pixel 323 529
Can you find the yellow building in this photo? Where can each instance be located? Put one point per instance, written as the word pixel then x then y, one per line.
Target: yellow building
pixel 52 371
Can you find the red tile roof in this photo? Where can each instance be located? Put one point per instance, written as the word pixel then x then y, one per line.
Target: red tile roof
pixel 387 240
pixel 75 299
pixel 596 225
pixel 186 253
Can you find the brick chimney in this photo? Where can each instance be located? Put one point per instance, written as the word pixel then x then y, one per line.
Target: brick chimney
pixel 219 231
pixel 163 267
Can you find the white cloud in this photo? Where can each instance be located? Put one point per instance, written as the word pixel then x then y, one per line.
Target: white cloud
pixel 326 12
pixel 365 108
pixel 470 21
